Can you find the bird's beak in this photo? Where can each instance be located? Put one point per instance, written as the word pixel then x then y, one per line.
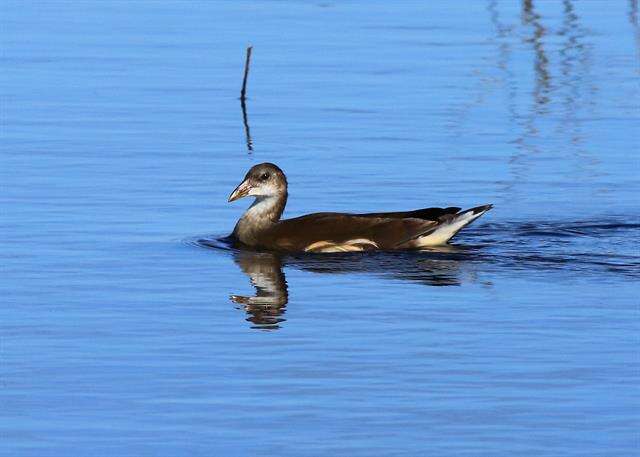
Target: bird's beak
pixel 241 191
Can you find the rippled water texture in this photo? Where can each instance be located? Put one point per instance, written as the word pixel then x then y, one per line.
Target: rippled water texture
pixel 129 325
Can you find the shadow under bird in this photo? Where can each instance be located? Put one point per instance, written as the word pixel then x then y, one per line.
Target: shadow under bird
pixel 260 227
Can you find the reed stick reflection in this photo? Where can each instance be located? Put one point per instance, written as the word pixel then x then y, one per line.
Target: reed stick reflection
pixel 243 99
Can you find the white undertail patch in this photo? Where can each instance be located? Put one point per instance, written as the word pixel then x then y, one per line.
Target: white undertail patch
pixel 447 230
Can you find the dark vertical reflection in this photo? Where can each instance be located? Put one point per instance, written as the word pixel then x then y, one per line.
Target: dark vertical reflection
pixel 504 37
pixel 245 121
pixel 541 62
pixel 565 89
pixel 542 81
pixel 569 60
pixel 575 83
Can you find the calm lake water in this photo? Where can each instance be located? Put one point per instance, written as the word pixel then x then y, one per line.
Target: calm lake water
pixel 124 333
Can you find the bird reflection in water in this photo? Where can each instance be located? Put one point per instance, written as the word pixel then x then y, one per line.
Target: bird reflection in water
pixel 265 310
pixel 266 307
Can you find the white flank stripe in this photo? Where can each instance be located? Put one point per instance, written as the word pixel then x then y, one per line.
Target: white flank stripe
pixel 358 244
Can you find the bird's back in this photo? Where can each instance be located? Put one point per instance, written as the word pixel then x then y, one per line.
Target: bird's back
pixel 337 232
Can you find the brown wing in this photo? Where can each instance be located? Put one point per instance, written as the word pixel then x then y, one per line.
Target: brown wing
pixel 430 214
pixel 336 232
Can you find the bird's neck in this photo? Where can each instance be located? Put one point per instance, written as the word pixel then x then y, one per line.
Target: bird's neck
pixel 266 209
pixel 263 213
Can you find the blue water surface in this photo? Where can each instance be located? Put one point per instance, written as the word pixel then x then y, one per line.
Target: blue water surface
pixel 128 329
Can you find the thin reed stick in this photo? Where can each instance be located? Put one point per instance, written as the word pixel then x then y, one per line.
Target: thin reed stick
pixel 247 63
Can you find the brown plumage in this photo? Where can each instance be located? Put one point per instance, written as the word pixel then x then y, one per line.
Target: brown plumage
pixel 261 227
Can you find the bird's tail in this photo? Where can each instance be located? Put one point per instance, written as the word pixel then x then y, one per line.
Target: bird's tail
pixel 448 228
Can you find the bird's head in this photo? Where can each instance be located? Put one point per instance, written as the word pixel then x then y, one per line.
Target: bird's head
pixel 262 180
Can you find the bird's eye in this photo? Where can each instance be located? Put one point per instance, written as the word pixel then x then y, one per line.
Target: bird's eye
pixel 264 176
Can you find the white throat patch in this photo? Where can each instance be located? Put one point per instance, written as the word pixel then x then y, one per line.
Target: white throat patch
pixel 261 207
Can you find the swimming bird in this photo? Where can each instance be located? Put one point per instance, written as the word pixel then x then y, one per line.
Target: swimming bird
pixel 260 227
